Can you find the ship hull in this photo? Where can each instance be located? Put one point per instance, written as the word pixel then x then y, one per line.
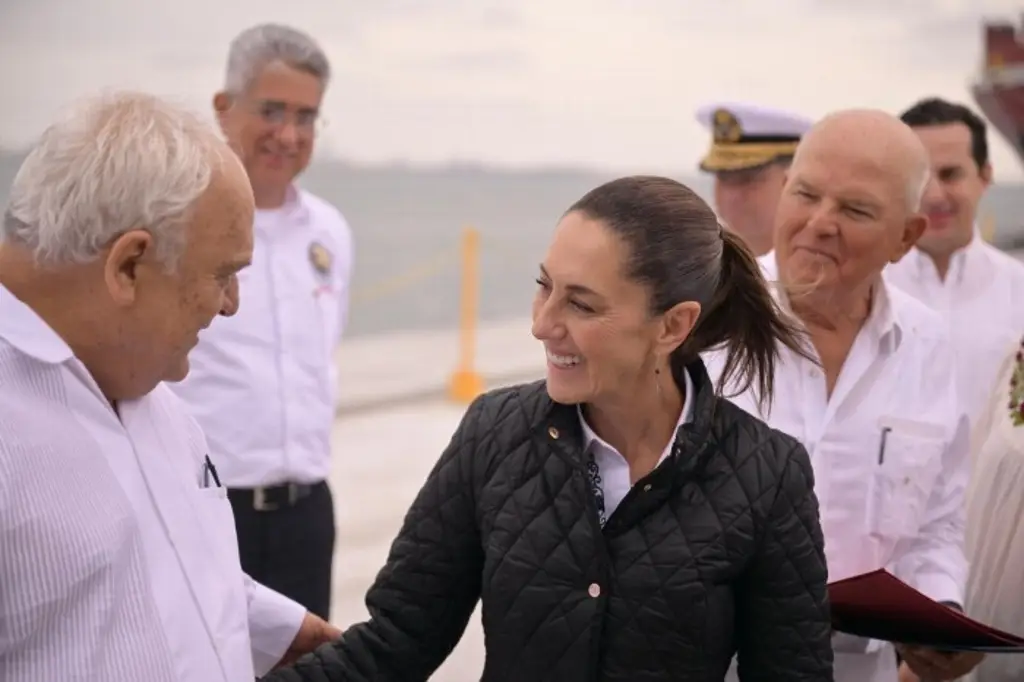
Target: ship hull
pixel 1000 90
pixel 1004 108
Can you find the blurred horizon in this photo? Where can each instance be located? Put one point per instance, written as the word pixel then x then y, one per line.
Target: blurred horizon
pixel 16 156
pixel 408 222
pixel 579 84
pixel 500 114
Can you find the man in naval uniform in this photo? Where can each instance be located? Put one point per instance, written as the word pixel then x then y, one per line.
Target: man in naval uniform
pixel 750 151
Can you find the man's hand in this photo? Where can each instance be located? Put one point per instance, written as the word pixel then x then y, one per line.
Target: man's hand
pixel 907 675
pixel 928 665
pixel 313 632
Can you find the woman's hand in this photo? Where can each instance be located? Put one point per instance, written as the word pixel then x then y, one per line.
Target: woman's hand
pixel 313 632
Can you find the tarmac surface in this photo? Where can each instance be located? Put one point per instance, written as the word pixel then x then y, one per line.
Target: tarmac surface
pixel 381 459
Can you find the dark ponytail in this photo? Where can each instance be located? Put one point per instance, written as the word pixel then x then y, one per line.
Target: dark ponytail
pixel 681 253
pixel 744 320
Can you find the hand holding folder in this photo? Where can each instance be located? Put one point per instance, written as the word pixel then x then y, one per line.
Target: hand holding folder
pixel 878 605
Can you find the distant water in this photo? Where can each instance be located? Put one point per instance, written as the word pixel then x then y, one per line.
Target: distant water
pixel 403 220
pixel 407 225
pixel 402 217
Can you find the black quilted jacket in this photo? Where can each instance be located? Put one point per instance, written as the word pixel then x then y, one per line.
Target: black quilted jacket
pixel 717 551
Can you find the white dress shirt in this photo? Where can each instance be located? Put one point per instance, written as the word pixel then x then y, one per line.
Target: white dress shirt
pixel 981 303
pixel 116 563
pixel 613 467
pixel 263 383
pixel 889 450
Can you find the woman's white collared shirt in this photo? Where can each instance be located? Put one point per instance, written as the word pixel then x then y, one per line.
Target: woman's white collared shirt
pixel 612 467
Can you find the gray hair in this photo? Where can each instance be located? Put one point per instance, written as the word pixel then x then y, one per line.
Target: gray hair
pixel 253 49
pixel 116 162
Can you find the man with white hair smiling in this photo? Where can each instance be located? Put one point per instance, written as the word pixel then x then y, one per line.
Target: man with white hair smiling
pixel 879 413
pixel 126 229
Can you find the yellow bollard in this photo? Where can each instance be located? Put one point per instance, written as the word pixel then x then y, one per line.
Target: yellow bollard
pixel 466 383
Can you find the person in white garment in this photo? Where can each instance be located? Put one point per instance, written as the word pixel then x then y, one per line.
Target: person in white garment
pixel 879 415
pixel 751 148
pixel 264 383
pixel 995 500
pixel 975 287
pixel 126 228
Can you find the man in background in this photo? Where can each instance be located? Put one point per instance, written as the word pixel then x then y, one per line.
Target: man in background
pixel 879 410
pixel 978 290
pixel 263 383
pixel 975 287
pixel 751 149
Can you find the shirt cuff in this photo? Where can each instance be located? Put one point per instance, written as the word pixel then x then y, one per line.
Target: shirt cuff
pixel 274 621
pixel 939 587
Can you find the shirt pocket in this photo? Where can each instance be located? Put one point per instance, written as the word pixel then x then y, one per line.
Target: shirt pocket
pixel 908 466
pixel 229 615
pixel 219 521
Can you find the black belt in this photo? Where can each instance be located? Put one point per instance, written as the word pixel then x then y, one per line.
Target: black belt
pixel 273 497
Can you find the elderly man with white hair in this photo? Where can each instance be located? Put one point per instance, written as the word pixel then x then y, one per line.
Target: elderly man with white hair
pixel 264 382
pixel 126 230
pixel 879 413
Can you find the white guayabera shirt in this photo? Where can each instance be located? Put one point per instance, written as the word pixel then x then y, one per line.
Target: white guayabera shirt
pixel 889 450
pixel 118 558
pixel 981 302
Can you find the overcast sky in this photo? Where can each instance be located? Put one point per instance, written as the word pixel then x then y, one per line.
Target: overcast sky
pixel 605 83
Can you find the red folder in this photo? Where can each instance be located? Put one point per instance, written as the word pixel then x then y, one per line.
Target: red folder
pixel 878 605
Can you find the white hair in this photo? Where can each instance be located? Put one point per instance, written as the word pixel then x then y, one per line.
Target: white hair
pixel 113 163
pixel 261 45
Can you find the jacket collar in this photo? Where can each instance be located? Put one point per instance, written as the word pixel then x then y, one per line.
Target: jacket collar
pixel 562 423
pixel 591 439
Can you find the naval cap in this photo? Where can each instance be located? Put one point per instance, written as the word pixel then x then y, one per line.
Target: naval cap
pixel 747 136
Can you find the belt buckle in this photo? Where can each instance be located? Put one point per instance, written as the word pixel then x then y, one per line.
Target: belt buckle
pixel 293 494
pixel 259 500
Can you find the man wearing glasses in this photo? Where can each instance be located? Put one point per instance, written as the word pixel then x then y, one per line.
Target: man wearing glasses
pixel 263 383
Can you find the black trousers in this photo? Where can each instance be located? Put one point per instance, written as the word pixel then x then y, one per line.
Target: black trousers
pixel 289 544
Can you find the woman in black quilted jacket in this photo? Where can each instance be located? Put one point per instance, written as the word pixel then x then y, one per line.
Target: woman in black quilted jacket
pixel 619 520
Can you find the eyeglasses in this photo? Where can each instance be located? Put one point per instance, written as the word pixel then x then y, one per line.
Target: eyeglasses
pixel 275 113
